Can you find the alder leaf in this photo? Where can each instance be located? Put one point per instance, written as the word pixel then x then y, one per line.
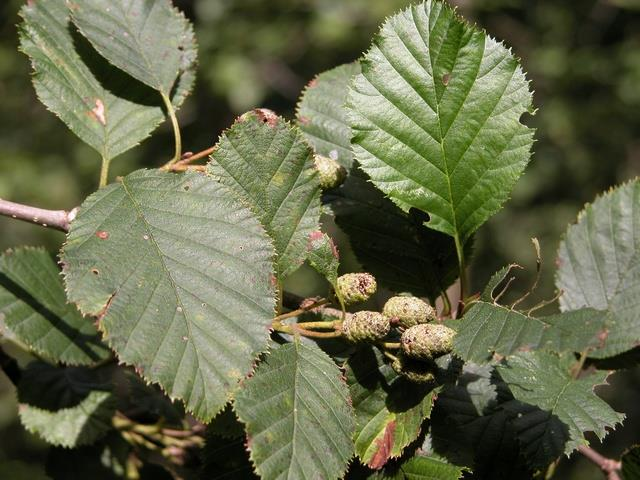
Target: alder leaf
pixel 98 103
pixel 145 38
pixel 423 468
pixel 181 275
pixel 543 380
pixel 390 410
pixel 34 309
pixel 599 266
pixel 396 247
pixel 268 164
pixel 489 328
pixel 323 256
pixel 435 116
pixel 297 415
pixel 67 407
pixel 322 116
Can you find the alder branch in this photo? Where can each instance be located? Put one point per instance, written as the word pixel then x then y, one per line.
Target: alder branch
pixel 56 219
pixel 608 466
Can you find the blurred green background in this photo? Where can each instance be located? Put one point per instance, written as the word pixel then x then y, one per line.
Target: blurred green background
pixel 583 58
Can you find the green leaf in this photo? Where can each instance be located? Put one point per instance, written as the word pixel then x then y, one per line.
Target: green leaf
pixel 268 164
pixel 323 256
pixel 490 290
pixel 490 328
pixel 389 409
pixel 543 380
pixel 423 468
pixel 435 116
pixel 599 266
pixel 631 463
pixel 18 470
pixel 322 116
pixel 396 247
pixel 68 407
pixel 145 38
pixel 34 308
pixel 100 104
pixel 297 415
pixel 180 274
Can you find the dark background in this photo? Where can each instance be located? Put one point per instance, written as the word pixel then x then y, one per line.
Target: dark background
pixel 583 58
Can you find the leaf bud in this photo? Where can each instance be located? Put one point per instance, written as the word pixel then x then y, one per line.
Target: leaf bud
pixel 330 173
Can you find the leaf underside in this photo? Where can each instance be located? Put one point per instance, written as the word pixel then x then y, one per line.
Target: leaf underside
pixel 144 38
pixel 599 266
pixel 100 104
pixel 298 420
pixel 180 274
pixel 322 116
pixel 269 166
pixel 34 309
pixel 435 116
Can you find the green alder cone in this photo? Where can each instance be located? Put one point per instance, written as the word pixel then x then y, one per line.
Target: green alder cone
pixel 408 311
pixel 427 341
pixel 330 173
pixel 414 370
pixel 356 287
pixel 365 327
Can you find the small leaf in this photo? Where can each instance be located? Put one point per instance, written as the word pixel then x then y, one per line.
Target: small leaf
pixel 423 468
pixel 323 256
pixel 296 411
pixel 543 380
pixel 489 328
pixel 389 409
pixel 269 165
pixel 490 290
pixel 145 38
pixel 322 116
pixel 396 247
pixel 68 407
pixel 180 274
pixel 436 118
pixel 100 104
pixel 34 308
pixel 599 266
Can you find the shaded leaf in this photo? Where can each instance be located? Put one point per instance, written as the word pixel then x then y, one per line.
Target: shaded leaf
pixel 100 104
pixel 180 273
pixel 543 380
pixel 435 116
pixel 34 308
pixel 389 409
pixel 631 463
pixel 145 38
pixel 323 256
pixel 268 164
pixel 322 116
pixel 67 407
pixel 396 247
pixel 599 266
pixel 489 328
pixel 296 411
